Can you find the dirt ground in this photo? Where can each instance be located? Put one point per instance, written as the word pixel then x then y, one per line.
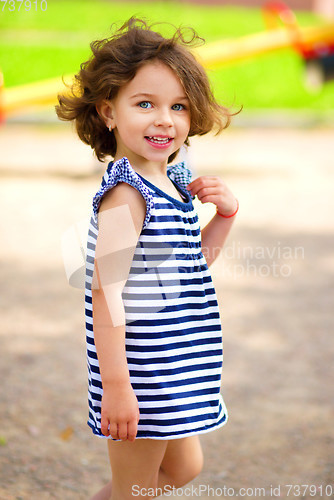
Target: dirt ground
pixel 274 282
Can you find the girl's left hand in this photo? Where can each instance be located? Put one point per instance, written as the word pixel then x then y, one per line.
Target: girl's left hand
pixel 214 190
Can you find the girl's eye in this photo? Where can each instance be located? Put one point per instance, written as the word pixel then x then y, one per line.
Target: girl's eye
pixel 145 105
pixel 178 107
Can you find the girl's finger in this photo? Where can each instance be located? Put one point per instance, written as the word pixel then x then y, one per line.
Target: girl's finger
pixel 104 426
pixel 123 431
pixel 210 199
pixel 113 430
pixel 205 191
pixel 205 178
pixel 199 184
pixel 132 430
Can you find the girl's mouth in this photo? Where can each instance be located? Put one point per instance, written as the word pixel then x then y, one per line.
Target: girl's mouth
pixel 159 142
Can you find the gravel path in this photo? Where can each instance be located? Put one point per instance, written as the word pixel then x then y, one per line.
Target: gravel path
pixel 274 282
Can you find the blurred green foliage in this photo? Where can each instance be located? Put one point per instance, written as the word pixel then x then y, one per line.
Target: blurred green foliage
pixel 37 44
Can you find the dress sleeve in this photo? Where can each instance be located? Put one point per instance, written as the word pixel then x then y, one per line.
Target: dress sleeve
pixel 121 171
pixel 180 174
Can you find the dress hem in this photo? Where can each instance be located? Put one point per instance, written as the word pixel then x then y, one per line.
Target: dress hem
pixel 172 436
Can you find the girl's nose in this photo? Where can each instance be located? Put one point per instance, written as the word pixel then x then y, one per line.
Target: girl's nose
pixel 163 118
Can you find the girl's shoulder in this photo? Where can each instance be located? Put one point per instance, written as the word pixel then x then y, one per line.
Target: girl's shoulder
pixel 122 172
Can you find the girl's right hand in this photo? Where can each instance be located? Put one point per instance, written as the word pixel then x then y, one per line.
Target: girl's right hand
pixel 120 412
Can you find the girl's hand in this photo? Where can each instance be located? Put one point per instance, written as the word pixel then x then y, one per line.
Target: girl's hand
pixel 214 190
pixel 120 412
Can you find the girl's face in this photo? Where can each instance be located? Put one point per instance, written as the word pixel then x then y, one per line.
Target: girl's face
pixel 150 116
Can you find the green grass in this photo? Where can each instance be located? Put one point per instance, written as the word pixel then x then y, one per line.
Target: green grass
pixel 37 45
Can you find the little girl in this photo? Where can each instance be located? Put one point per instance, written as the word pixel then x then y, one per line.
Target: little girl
pixel 154 343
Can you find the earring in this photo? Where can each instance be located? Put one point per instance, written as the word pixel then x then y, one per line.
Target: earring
pixel 110 128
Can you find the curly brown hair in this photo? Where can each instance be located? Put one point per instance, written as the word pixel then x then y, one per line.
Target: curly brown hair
pixel 115 61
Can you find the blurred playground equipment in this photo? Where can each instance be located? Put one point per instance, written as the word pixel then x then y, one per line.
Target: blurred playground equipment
pixel 315 44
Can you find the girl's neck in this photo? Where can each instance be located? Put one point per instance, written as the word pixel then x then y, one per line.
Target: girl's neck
pixel 148 169
pixel 154 172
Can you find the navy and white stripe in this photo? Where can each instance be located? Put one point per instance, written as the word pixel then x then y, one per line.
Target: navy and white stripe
pixel 173 330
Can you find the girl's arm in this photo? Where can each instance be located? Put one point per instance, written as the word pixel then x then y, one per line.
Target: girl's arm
pixel 214 234
pixel 121 216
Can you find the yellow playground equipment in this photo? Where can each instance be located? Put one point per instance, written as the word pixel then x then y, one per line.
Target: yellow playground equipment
pixel 315 44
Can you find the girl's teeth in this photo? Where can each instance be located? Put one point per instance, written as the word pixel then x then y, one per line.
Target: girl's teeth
pixel 159 140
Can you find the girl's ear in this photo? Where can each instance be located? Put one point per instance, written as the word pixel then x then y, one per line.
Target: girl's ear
pixel 105 110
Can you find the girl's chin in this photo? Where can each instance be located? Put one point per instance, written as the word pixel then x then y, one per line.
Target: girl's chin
pixel 158 155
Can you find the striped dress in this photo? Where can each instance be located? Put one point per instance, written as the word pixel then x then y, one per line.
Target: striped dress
pixel 173 330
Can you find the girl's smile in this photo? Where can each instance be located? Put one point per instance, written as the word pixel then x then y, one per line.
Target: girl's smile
pixel 150 116
pixel 160 142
